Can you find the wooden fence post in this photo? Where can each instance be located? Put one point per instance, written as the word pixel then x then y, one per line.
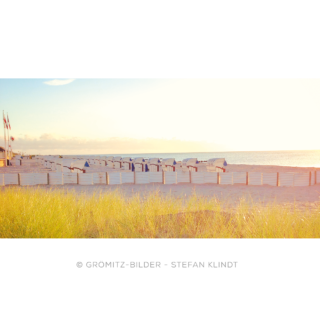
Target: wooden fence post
pixel 247 178
pixel 310 175
pixel 218 177
pixel 315 177
pixel 278 181
pixel 47 177
pixel 163 177
pixel 190 177
pixel 19 179
pixel 107 178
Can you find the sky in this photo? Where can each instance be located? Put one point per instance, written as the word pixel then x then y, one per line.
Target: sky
pixel 101 116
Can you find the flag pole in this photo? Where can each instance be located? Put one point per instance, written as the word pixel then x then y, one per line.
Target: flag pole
pixel 9 153
pixel 5 140
pixel 8 145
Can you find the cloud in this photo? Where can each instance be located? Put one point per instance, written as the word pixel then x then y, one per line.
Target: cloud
pixel 50 144
pixel 58 82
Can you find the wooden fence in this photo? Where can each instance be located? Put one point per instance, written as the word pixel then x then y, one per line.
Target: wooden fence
pixel 279 179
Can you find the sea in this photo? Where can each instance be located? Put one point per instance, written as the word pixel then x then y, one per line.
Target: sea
pixel 303 158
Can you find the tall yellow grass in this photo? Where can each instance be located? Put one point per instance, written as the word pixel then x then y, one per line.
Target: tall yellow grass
pixel 38 213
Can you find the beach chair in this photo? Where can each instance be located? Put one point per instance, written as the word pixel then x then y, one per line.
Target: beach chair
pixel 168 164
pixel 140 164
pixel 154 164
pixel 117 162
pixel 126 163
pixel 190 164
pixel 216 164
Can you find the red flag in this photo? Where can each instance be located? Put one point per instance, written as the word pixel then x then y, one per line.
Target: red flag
pixel 5 121
pixel 8 122
pixel 12 138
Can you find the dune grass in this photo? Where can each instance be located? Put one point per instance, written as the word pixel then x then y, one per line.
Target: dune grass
pixel 38 213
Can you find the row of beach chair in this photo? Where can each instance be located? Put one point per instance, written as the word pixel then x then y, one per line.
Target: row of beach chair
pixel 138 164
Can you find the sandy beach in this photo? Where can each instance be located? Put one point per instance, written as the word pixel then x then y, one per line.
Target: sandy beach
pixel 266 168
pixel 303 197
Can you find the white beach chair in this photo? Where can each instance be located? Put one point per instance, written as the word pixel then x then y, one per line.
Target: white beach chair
pixel 168 164
pixel 190 164
pixel 216 164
